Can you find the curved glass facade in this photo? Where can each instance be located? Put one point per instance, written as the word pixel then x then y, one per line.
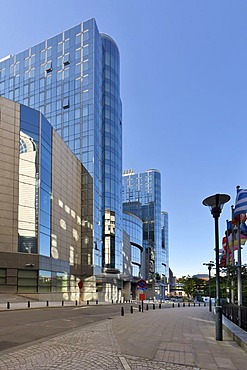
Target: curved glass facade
pixel 142 197
pixel 34 183
pixel 73 79
pixel 133 226
pixel 112 158
pixel 165 244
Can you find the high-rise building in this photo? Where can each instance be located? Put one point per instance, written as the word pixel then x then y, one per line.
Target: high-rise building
pixel 165 241
pixel 73 78
pixel 142 197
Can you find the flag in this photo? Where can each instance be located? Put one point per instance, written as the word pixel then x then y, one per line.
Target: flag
pixel 229 225
pixel 243 228
pixel 224 245
pixel 240 202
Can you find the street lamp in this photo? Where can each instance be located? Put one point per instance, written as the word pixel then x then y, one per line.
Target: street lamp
pixel 216 203
pixel 209 265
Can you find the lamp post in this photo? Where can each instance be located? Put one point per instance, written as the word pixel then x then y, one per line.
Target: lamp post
pixel 216 203
pixel 209 265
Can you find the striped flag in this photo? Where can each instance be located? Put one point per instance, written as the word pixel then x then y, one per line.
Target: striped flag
pixel 241 202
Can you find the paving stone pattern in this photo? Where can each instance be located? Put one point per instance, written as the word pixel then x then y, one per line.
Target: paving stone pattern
pixel 174 339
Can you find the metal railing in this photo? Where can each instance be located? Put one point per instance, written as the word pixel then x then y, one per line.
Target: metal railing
pixel 231 312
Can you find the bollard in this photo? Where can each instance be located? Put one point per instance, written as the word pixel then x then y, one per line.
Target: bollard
pixel 28 304
pixel 116 301
pixel 131 309
pixel 8 305
pixel 112 301
pixel 147 307
pixel 204 304
pixel 153 306
pixel 189 304
pixel 87 302
pixel 97 302
pixel 194 304
pixel 178 304
pixel 140 308
pixel 47 303
pixel 183 304
pixel 76 302
pixel 159 305
pixel 62 303
pixel 122 311
pixel 199 304
pixel 173 305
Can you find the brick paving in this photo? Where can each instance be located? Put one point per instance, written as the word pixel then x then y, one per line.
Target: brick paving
pixel 171 339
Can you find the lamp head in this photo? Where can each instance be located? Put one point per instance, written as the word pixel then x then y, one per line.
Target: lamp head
pixel 216 203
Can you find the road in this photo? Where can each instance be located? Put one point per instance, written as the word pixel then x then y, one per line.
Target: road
pixel 20 327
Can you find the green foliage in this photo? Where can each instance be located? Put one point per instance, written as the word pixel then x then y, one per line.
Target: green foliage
pixel 193 286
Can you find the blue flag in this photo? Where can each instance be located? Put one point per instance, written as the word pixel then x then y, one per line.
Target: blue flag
pixel 229 225
pixel 241 202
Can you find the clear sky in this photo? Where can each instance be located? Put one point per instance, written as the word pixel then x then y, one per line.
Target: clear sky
pixel 184 94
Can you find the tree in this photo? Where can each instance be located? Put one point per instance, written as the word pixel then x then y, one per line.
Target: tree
pixel 193 286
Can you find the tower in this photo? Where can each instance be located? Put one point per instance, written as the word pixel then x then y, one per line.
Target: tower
pixel 73 78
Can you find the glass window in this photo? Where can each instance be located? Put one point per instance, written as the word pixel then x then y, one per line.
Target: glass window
pixel 3 273
pixel 66 59
pixel 66 103
pixel 48 67
pixel 45 281
pixel 27 281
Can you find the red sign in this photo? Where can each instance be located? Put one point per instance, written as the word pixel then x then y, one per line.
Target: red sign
pixel 80 284
pixel 142 297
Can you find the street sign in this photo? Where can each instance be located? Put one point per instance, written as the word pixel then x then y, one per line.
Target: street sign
pixel 142 288
pixel 142 283
pixel 142 297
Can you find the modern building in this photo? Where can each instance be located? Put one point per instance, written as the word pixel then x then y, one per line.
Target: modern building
pixel 73 78
pixel 133 227
pixel 40 208
pixel 142 197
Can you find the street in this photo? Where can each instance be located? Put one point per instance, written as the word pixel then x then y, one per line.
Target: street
pixel 20 327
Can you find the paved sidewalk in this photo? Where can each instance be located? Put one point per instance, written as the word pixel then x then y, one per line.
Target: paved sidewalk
pixel 172 339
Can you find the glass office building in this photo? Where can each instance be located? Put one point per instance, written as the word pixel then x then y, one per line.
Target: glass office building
pixel 142 197
pixel 133 226
pixel 165 242
pixel 73 78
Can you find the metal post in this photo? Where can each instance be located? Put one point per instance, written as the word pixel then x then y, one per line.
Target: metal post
pixel 142 306
pixel 240 301
pixel 233 260
pixel 209 288
pixel 218 307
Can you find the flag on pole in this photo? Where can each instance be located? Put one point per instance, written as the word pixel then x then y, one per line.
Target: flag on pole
pixel 229 225
pixel 240 202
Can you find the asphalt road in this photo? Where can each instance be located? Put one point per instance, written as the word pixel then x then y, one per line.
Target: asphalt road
pixel 21 327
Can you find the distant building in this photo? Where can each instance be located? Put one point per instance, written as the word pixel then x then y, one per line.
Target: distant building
pixel 142 197
pixel 201 276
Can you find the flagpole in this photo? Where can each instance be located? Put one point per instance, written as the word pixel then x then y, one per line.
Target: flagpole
pixel 233 260
pixel 240 301
pixel 227 262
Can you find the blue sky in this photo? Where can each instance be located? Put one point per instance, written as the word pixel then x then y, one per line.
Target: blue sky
pixel 184 93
